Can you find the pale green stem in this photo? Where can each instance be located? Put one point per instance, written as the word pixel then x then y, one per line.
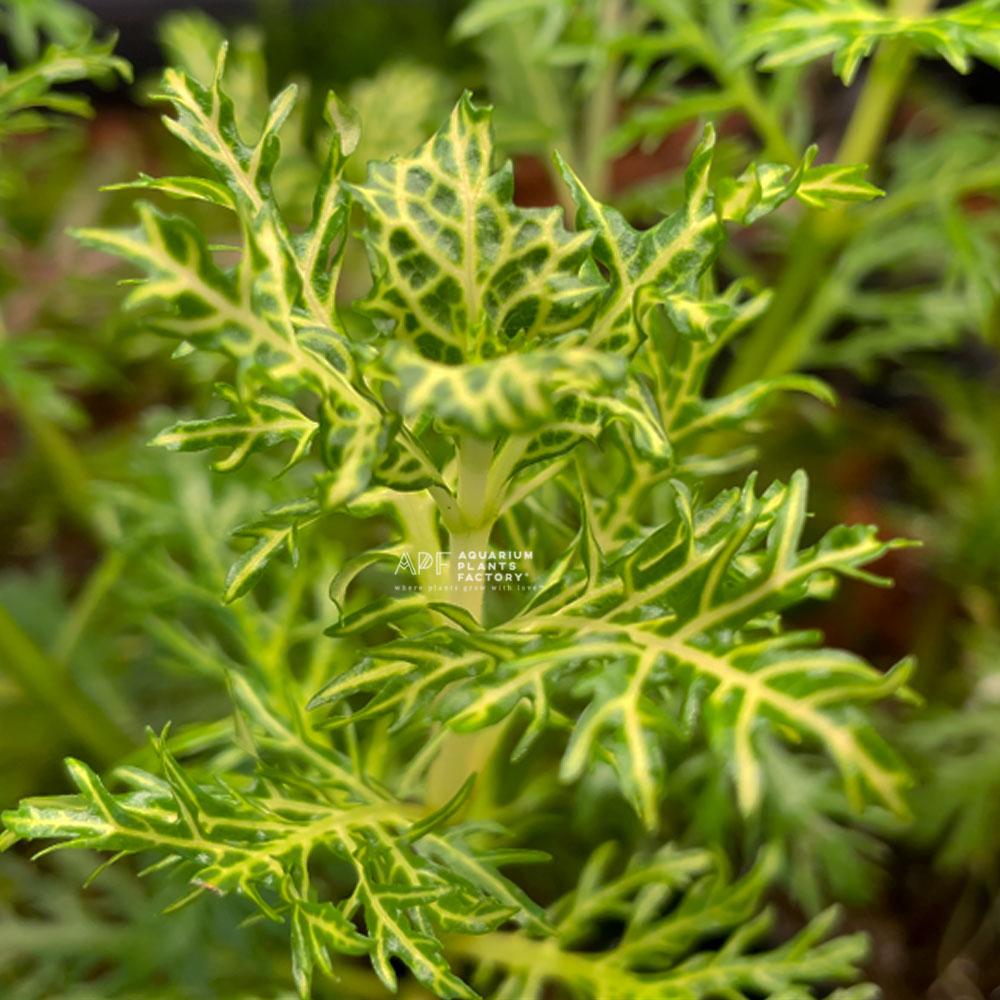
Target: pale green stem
pixel 48 683
pixel 599 116
pixel 780 343
pixel 95 590
pixel 469 524
pixel 476 513
pixel 741 81
pixel 475 456
pixel 766 124
pixel 510 453
pixel 465 595
pixel 419 513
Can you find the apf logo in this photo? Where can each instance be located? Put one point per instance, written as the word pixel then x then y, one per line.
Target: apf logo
pixel 424 561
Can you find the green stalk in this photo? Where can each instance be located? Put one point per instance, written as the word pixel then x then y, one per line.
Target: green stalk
pixel 418 512
pixel 780 343
pixel 95 590
pixel 469 528
pixel 466 541
pixel 599 116
pixel 476 515
pixel 541 958
pixel 62 461
pixel 755 107
pixel 50 684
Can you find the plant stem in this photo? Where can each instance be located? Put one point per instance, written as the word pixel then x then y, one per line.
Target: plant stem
pixel 418 512
pixel 468 596
pixel 62 460
pixel 887 77
pixel 49 683
pixel 475 517
pixel 92 595
pixel 743 83
pixel 780 344
pixel 599 116
pixel 469 528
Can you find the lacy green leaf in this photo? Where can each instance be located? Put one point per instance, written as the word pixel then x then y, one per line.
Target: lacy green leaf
pixel 689 617
pixel 671 905
pixel 276 529
pixel 272 312
pixel 257 839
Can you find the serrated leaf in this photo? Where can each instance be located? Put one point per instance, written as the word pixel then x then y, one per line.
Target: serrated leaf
pixel 669 256
pixel 763 188
pixel 206 123
pixel 461 273
pixel 183 188
pixel 822 187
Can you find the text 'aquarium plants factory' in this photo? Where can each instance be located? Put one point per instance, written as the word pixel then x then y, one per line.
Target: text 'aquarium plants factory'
pixel 584 582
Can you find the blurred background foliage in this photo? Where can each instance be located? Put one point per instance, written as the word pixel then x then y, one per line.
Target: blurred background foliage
pixel 97 535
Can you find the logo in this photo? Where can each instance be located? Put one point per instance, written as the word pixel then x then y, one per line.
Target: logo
pixel 466 570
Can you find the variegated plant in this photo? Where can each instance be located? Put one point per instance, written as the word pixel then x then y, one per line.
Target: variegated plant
pixel 514 383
